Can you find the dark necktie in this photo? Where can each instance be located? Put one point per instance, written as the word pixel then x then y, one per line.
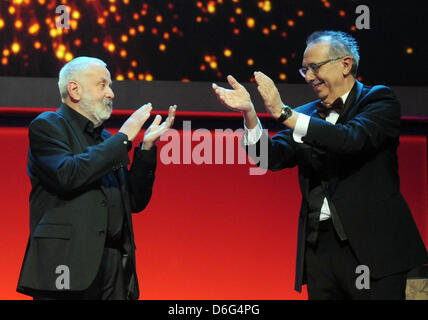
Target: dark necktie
pixel 325 108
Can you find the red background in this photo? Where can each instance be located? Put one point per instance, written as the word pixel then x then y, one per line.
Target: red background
pixel 209 232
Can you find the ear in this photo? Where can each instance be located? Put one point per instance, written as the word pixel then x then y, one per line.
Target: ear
pixel 347 65
pixel 74 91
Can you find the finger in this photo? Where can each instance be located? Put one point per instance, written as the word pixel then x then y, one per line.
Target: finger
pixel 233 82
pixel 156 121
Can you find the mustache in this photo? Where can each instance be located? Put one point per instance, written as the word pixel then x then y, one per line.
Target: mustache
pixel 108 102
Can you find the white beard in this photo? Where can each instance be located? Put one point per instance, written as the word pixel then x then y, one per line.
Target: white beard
pixel 99 112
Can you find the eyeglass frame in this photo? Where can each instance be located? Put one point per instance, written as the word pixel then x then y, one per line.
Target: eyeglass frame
pixel 315 67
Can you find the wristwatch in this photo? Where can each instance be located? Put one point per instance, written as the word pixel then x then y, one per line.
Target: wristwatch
pixel 286 113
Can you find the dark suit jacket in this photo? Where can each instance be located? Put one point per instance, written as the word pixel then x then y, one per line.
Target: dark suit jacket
pixel 363 183
pixel 68 204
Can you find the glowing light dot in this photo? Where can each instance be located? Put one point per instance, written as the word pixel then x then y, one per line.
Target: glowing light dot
pixel 77 42
pixel 141 76
pixel 290 23
pixel 251 22
pixel 33 29
pixel 120 77
pixel 101 20
pixel 236 31
pixel 134 63
pixel 132 31
pixel 159 18
pixel 126 1
pixel 60 54
pixel 273 27
pixel 6 52
pixel 353 28
pixel 166 36
pixel 149 77
pixel 4 61
pixel 1 23
pixel 37 45
pixel 68 56
pixel 111 47
pixel 135 16
pixel 141 28
pixel 265 5
pixel 76 14
pixel 250 62
pixel 113 8
pixel 42 2
pixel 123 53
pixel 238 10
pixel 211 7
pixel 207 58
pixel 18 2
pixel 162 47
pixel 213 65
pixel 227 53
pixel 15 47
pixel 198 19
pixel 124 38
pixel 131 75
pixel 12 10
pixel 199 4
pixel 342 13
pixel 300 13
pixel 18 24
pixel 282 76
pixel 265 31
pixel 409 50
pixel 202 67
pixel 283 60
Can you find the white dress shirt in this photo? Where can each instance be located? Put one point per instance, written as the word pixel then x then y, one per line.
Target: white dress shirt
pixel 251 136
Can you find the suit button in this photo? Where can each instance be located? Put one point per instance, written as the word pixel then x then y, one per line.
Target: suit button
pixel 104 203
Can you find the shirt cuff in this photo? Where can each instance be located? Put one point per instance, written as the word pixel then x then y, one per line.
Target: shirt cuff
pixel 251 136
pixel 301 127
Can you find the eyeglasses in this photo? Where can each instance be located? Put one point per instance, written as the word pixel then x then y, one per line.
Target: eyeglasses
pixel 315 67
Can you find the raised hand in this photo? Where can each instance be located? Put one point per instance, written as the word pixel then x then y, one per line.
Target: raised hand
pixel 133 124
pixel 269 93
pixel 156 129
pixel 236 99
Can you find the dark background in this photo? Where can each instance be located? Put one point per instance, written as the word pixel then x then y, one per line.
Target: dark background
pixel 395 28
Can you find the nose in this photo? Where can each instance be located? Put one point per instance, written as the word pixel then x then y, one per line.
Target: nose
pixel 110 93
pixel 310 76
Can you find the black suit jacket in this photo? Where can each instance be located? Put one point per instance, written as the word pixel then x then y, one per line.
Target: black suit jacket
pixel 68 204
pixel 363 184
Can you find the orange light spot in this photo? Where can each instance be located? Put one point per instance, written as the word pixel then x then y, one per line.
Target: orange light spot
pixel 141 76
pixel 77 42
pixel 111 47
pixel 251 22
pixel 166 36
pixel 162 47
pixel 123 53
pixel 409 50
pixel 68 56
pixel 134 63
pixel 227 53
pixel 149 77
pixel 238 10
pixel 113 8
pixel 12 10
pixel 34 28
pixel 250 62
pixel 4 61
pixel 290 23
pixel 120 77
pixel 211 7
pixel 159 19
pixel 283 60
pixel 6 52
pixel 265 31
pixel 236 31
pixel 1 23
pixel 37 45
pixel 342 13
pixel 18 24
pixel 124 38
pixel 132 31
pixel 15 47
pixel 213 65
pixel 131 75
pixel 76 14
pixel 101 20
pixel 282 76
pixel 300 13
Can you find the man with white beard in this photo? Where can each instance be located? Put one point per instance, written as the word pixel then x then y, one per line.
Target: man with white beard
pixel 81 243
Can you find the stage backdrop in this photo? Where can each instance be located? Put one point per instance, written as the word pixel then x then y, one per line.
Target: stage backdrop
pixel 211 231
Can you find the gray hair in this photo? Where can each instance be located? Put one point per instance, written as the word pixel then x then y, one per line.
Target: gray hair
pixel 71 71
pixel 341 44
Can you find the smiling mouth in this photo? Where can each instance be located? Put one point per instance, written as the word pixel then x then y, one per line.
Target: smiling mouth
pixel 315 85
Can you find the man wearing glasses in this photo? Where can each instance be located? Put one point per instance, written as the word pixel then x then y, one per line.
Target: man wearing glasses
pixel 353 218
